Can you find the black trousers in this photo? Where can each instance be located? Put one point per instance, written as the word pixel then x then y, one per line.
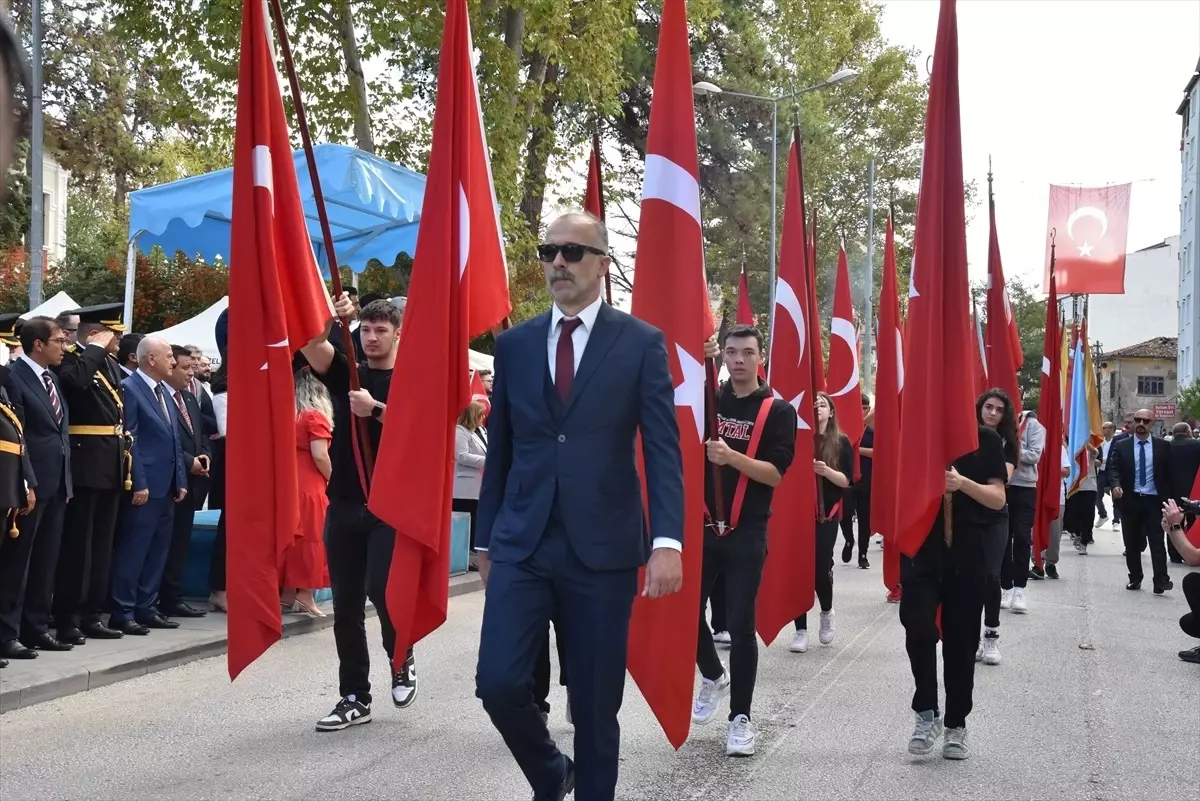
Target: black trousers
pixel 1014 569
pixel 994 544
pixel 216 564
pixel 15 553
pixel 1079 517
pixel 862 510
pixel 216 500
pixel 826 540
pixel 846 523
pixel 85 558
pixel 358 548
pixel 43 564
pixel 718 600
pixel 739 557
pixel 952 577
pixel 1141 525
pixel 1190 623
pixel 170 592
pixel 541 669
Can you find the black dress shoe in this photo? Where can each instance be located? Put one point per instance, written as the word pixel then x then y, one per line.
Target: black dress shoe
pixel 14 650
pixel 1134 585
pixel 180 610
pixel 3 663
pixel 72 636
pixel 1162 586
pixel 99 631
pixel 46 642
pixel 158 622
pixel 128 627
pixel 568 786
pixel 1037 573
pixel 1051 571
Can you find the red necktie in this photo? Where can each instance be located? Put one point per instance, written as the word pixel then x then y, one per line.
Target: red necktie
pixel 187 420
pixel 54 401
pixel 564 358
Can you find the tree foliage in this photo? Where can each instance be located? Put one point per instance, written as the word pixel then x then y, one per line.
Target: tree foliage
pixel 1029 312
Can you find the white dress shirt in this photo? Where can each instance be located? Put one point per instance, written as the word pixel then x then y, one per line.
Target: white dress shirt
pixel 162 400
pixel 38 369
pixel 1149 488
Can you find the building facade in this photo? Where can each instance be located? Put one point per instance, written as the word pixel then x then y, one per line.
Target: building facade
pixel 1189 233
pixel 1148 307
pixel 1141 376
pixel 54 209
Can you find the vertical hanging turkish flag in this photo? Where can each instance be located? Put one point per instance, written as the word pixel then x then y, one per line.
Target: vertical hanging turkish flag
pixel 937 363
pixel 889 381
pixel 670 292
pixel 459 289
pixel 593 199
pixel 980 371
pixel 843 378
pixel 1091 227
pixel 1050 415
pixel 814 311
pixel 745 315
pixel 479 392
pixel 789 574
pixel 277 302
pixel 1002 341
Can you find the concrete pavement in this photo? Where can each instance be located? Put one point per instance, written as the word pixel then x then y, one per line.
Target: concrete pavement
pixel 1119 720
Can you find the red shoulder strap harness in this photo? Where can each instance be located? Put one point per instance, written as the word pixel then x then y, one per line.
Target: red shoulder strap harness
pixel 739 492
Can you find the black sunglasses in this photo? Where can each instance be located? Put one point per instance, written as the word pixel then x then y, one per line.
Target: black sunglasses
pixel 572 252
pixel 1142 420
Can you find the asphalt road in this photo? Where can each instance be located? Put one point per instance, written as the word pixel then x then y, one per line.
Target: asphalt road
pixel 1121 720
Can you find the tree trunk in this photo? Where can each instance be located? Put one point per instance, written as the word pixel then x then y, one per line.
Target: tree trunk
pixel 354 74
pixel 514 40
pixel 537 154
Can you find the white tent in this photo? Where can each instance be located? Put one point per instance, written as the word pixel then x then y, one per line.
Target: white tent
pixel 53 307
pixel 199 331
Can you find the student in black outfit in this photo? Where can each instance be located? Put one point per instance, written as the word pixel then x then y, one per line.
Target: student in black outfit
pixel 953 576
pixel 358 545
pixel 752 448
pixel 833 462
pixel 862 487
pixel 994 410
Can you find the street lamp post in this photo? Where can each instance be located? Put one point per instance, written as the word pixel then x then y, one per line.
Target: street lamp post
pixel 704 88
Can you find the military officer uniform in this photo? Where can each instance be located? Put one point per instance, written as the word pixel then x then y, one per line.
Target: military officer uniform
pixel 14 467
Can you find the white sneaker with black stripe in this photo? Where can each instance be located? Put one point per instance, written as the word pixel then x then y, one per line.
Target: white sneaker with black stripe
pixel 348 712
pixel 404 684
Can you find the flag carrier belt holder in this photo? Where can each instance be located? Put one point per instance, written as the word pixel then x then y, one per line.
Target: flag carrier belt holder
pixel 722 528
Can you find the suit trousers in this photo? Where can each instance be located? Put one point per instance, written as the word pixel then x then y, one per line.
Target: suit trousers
pixel 143 542
pixel 541 672
pixel 14 572
pixel 216 564
pixel 1141 525
pixel 594 607
pixel 43 563
pixel 170 592
pixel 85 558
pixel 826 539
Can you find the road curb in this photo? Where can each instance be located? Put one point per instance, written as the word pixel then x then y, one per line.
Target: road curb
pixel 85 679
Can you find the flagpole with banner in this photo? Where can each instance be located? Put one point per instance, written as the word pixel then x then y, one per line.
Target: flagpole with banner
pixel 593 202
pixel 889 386
pixel 1050 415
pixel 1002 352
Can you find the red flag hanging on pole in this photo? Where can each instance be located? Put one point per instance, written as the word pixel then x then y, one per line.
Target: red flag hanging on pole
pixel 843 379
pixel 814 316
pixel 745 316
pixel 1002 341
pixel 459 290
pixel 937 382
pixel 980 371
pixel 479 392
pixel 593 201
pixel 1050 415
pixel 1096 222
pixel 277 302
pixel 789 574
pixel 670 292
pixel 889 381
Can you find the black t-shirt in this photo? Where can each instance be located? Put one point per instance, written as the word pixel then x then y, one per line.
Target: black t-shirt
pixel 980 465
pixel 736 418
pixel 343 482
pixel 1011 454
pixel 865 462
pixel 831 492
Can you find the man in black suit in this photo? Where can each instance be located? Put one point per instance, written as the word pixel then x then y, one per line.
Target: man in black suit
pixel 127 354
pixel 1140 469
pixel 16 498
pixel 197 459
pixel 28 562
pixel 1185 463
pixel 100 469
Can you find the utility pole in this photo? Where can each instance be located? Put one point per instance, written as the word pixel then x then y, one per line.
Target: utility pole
pixel 868 320
pixel 36 212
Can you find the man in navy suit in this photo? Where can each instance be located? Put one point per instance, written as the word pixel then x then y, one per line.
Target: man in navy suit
pixel 561 529
pixel 28 562
pixel 159 482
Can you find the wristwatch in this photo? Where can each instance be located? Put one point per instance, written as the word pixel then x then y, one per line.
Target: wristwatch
pixel 377 412
pixel 1176 527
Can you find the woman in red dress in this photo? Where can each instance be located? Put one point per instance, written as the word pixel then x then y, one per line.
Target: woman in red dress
pixel 304 568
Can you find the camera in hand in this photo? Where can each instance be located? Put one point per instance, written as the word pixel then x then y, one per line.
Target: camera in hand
pixel 1190 507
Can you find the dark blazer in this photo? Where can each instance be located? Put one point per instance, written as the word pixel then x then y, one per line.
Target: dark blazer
pixel 208 414
pixel 581 454
pixel 1185 463
pixel 157 456
pixel 15 471
pixel 193 441
pixel 1122 468
pixel 47 440
pixel 91 383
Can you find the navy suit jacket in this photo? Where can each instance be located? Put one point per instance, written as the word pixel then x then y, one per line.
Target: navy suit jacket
pixel 46 439
pixel 580 455
pixel 157 456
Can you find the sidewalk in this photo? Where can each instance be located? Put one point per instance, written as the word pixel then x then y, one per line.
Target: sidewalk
pixel 102 662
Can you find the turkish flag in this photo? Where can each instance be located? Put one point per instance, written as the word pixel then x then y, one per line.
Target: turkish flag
pixel 459 289
pixel 1090 227
pixel 593 199
pixel 745 316
pixel 479 392
pixel 670 292
pixel 814 311
pixel 843 378
pixel 277 302
pixel 789 574
pixel 980 371
pixel 889 381
pixel 1002 340
pixel 937 384
pixel 1050 415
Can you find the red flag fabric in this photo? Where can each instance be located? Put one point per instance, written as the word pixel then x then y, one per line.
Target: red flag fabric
pixel 980 371
pixel 1193 532
pixel 789 574
pixel 593 200
pixel 479 392
pixel 1002 341
pixel 843 378
pixel 814 311
pixel 459 289
pixel 937 382
pixel 670 292
pixel 277 302
pixel 745 316
pixel 889 381
pixel 1091 226
pixel 1050 415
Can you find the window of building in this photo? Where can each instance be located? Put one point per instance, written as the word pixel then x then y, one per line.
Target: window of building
pixel 1151 385
pixel 1112 384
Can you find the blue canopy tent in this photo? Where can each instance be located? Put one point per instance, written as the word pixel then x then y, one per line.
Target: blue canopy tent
pixel 374 207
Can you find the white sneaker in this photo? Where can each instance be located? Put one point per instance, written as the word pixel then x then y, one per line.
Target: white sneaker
pixel 955 745
pixel 722 638
pixel 979 651
pixel 742 737
pixel 709 699
pixel 990 647
pixel 1018 601
pixel 799 642
pixel 926 733
pixel 1006 599
pixel 827 631
pixel 1081 547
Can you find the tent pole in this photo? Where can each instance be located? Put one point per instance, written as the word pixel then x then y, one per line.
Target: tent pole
pixel 130 279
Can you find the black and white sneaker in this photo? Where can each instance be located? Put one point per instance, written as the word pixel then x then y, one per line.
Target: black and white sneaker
pixel 348 712
pixel 404 684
